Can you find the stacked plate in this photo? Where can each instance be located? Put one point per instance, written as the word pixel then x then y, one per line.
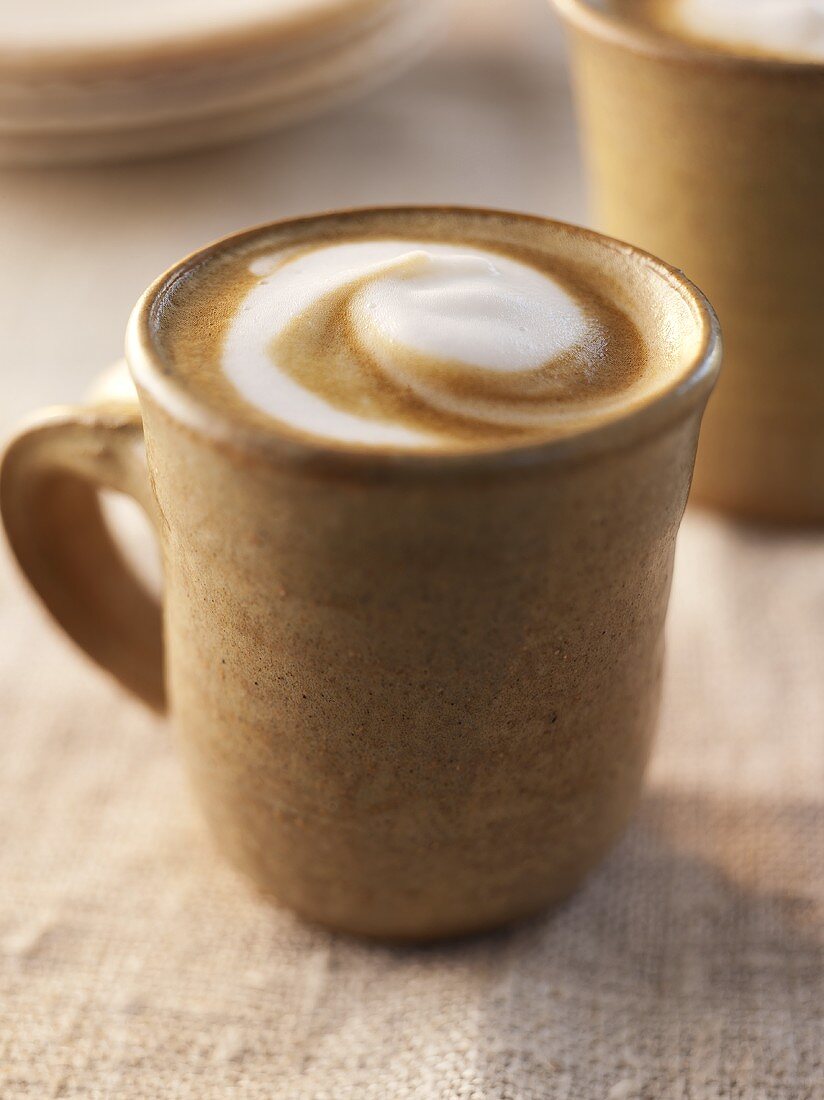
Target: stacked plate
pixel 84 80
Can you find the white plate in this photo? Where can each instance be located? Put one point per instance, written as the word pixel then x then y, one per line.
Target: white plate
pixel 104 103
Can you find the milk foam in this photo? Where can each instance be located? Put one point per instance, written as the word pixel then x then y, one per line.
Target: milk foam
pixel 794 28
pixel 437 331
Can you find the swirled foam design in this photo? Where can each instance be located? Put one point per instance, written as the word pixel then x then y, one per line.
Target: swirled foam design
pixel 410 343
pixel 791 28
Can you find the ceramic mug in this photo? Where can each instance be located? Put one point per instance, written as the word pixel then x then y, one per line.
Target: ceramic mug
pixel 415 693
pixel 715 162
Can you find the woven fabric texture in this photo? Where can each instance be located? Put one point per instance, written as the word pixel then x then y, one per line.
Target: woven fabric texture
pixel 134 964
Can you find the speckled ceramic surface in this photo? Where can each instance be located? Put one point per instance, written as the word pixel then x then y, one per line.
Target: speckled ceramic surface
pixel 415 693
pixel 715 162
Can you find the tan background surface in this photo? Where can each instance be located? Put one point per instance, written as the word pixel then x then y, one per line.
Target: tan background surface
pixel 134 964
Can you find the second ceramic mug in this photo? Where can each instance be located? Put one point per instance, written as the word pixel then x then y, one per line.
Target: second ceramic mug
pixel 715 162
pixel 415 694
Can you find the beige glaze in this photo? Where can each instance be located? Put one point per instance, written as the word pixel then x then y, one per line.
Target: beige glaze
pixel 715 161
pixel 415 693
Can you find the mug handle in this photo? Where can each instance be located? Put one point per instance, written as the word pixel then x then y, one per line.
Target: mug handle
pixel 49 480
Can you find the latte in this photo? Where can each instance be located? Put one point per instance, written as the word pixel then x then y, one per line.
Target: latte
pixel 416 693
pixel 792 29
pixel 442 335
pixel 703 124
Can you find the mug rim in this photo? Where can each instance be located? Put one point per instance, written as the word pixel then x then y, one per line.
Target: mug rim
pixel 613 28
pixel 691 385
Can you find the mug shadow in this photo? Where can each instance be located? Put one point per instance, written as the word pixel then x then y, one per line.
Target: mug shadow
pixel 691 964
pixel 755 532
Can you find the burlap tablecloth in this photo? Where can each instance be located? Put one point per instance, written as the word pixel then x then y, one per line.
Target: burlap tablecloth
pixel 134 964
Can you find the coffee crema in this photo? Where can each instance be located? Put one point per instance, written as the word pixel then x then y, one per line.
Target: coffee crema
pixel 782 29
pixel 414 343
